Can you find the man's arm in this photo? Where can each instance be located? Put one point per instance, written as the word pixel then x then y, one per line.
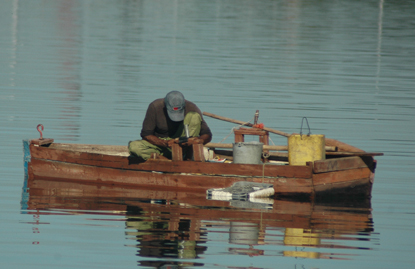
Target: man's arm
pixel 206 138
pixel 156 141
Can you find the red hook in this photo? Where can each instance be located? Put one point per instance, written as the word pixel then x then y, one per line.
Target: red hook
pixel 40 131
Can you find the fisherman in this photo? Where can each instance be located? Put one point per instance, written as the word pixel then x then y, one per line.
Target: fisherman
pixel 164 124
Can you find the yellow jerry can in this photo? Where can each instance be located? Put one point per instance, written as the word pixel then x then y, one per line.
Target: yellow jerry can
pixel 306 148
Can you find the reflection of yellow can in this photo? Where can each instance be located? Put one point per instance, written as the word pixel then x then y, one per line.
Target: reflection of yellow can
pixel 301 237
pixel 301 254
pixel 306 148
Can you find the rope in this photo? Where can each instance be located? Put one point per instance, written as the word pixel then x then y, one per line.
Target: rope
pixel 232 130
pixel 271 140
pixel 227 135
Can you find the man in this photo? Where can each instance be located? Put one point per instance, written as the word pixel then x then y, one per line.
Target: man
pixel 164 124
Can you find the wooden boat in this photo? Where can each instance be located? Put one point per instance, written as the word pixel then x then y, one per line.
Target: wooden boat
pixel 341 172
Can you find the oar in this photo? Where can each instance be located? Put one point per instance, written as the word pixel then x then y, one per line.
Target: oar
pixel 329 142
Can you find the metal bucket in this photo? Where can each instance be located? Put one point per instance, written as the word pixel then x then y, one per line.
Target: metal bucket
pixel 247 152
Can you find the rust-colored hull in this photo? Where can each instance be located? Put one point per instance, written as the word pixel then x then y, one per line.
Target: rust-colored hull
pixel 110 165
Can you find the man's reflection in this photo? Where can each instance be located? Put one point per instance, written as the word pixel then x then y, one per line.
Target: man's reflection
pixel 172 237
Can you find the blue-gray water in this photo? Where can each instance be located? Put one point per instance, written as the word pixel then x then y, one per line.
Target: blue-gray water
pixel 87 70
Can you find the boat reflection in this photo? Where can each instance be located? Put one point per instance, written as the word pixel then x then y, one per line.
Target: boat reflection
pixel 177 225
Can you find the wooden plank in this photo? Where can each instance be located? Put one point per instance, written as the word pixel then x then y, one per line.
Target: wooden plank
pixel 198 154
pixel 347 153
pixel 341 176
pixel 292 185
pixel 241 132
pixel 109 176
pixel 92 148
pixel 250 131
pixel 330 165
pixel 245 123
pixel 123 150
pixel 177 152
pixel 266 147
pixel 121 162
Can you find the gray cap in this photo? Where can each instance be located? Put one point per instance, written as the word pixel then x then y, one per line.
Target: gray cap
pixel 175 105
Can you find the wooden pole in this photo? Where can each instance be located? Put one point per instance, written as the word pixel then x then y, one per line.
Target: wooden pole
pixel 266 147
pixel 329 142
pixel 244 123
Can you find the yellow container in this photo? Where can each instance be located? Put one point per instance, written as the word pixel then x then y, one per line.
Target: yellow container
pixel 306 148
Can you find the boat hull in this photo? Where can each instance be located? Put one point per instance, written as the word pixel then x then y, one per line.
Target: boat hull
pixel 111 165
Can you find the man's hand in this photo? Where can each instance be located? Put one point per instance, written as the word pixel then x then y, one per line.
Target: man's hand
pixel 172 141
pixel 192 140
pixel 203 139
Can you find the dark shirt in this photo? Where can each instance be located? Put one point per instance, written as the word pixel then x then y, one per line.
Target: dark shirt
pixel 158 123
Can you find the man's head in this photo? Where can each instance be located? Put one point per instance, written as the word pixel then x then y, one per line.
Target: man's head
pixel 175 104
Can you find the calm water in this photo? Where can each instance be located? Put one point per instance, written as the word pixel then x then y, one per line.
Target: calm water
pixel 87 70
